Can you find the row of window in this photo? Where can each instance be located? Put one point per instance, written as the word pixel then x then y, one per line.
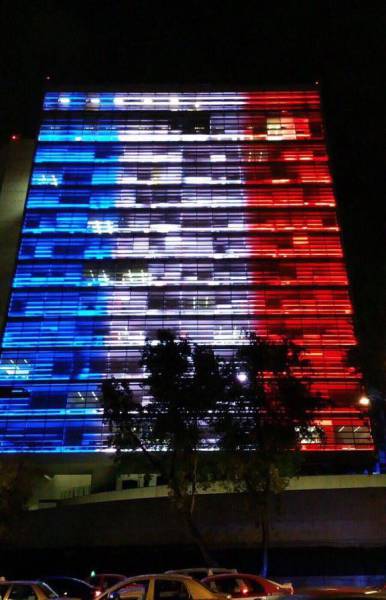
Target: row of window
pixel 53 434
pixel 138 302
pixel 180 197
pixel 235 101
pixel 174 220
pixel 179 153
pixel 166 174
pixel 92 364
pixel 141 273
pixel 179 127
pixel 175 246
pixel 317 331
pixel 59 394
pixel 50 396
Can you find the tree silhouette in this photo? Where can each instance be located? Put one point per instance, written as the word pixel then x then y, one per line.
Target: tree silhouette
pixel 254 408
pixel 261 420
pixel 185 383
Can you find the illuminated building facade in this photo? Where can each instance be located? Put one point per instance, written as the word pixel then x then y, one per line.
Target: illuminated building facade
pixel 203 212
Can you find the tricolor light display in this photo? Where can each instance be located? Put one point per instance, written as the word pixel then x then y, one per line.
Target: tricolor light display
pixel 207 213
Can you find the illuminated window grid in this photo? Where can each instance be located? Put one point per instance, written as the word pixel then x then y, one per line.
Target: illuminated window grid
pixel 209 213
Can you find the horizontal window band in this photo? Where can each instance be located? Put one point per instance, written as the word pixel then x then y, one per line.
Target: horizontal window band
pixel 137 234
pixel 118 114
pixel 191 285
pixel 185 186
pixel 244 210
pixel 199 260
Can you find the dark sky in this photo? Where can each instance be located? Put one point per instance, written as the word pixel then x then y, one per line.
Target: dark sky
pixel 340 43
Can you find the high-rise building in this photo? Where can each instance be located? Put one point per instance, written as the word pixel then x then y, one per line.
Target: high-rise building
pixel 208 213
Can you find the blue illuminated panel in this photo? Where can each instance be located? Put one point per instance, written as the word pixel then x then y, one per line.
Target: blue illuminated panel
pixel 206 213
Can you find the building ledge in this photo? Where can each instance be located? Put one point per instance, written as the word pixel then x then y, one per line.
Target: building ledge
pixel 317 482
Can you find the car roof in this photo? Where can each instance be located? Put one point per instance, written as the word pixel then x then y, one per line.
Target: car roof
pixel 161 576
pixel 24 581
pixel 108 575
pixel 235 574
pixel 206 569
pixel 341 595
pixel 64 577
pixel 327 590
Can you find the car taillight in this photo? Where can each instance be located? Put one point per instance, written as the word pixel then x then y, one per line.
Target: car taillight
pixel 288 588
pixel 244 591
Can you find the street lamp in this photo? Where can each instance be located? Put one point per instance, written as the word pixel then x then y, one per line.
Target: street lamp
pixel 242 377
pixel 364 401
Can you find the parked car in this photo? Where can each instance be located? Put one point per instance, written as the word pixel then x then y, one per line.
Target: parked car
pixel 69 587
pixel 26 590
pixel 242 585
pixel 159 587
pixel 199 573
pixel 339 590
pixel 103 581
pixel 339 593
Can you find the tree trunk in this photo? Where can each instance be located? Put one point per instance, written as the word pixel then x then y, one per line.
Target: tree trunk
pixel 264 541
pixel 265 527
pixel 198 540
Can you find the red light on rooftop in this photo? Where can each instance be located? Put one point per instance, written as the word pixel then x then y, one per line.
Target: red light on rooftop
pixel 15 137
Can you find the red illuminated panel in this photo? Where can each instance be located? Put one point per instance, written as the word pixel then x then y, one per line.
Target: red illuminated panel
pixel 278 174
pixel 286 100
pixel 294 152
pixel 288 245
pixel 343 432
pixel 313 302
pixel 297 220
pixel 290 196
pixel 321 325
pixel 285 273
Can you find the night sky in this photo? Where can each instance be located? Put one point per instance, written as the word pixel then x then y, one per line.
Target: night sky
pixel 341 44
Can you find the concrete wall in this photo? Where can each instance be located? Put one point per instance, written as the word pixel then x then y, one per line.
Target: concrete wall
pixel 49 489
pixel 314 482
pixel 330 517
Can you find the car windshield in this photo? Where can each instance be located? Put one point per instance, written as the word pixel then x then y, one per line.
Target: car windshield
pixel 111 580
pixel 224 585
pixel 200 590
pixel 68 586
pixel 335 595
pixel 236 586
pixel 48 591
pixel 195 574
